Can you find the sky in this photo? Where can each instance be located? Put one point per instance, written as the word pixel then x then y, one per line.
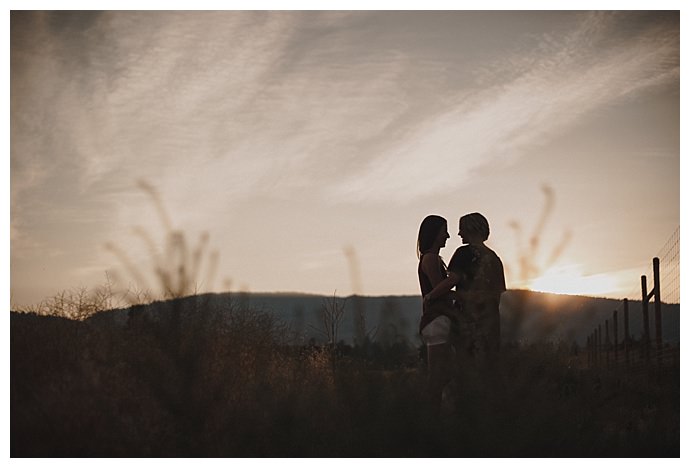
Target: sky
pixel 302 149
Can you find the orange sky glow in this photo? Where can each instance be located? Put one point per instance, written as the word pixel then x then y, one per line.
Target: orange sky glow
pixel 300 150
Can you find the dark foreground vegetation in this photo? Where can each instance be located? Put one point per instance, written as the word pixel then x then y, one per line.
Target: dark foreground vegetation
pixel 233 382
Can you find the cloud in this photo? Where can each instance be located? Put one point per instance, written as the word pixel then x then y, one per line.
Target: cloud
pixel 285 104
pixel 250 104
pixel 543 92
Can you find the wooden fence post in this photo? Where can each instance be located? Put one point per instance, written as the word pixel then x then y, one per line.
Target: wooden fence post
pixel 626 331
pixel 589 352
pixel 615 338
pixel 657 309
pixel 599 345
pixel 645 316
pixel 607 344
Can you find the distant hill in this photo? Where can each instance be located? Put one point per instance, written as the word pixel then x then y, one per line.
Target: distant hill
pixel 525 315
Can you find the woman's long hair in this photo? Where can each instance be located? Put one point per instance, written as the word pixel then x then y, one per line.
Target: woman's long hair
pixel 428 231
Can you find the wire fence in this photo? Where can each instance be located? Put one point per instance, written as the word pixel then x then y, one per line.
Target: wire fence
pixel 669 257
pixel 613 346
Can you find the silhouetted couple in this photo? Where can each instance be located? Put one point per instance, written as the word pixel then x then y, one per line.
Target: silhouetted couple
pixel 460 325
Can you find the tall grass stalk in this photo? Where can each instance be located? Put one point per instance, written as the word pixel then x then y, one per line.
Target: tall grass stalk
pixel 529 266
pixel 178 269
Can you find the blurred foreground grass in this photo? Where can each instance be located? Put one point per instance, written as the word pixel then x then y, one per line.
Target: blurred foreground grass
pixel 186 379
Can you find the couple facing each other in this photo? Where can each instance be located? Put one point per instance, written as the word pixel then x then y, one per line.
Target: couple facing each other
pixel 464 321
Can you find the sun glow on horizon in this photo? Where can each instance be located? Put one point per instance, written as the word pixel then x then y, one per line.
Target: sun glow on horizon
pixel 571 280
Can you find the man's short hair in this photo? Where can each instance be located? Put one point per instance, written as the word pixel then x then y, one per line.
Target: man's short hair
pixel 477 224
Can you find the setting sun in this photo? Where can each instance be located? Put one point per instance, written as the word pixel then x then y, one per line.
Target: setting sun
pixel 571 280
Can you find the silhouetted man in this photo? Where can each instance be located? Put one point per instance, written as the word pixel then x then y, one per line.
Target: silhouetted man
pixel 478 274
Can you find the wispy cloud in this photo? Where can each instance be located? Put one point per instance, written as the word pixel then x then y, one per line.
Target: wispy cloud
pixel 544 91
pixel 217 108
pixel 286 102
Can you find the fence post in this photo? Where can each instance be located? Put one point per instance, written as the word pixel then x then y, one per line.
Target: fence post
pixel 596 349
pixel 657 309
pixel 627 332
pixel 645 316
pixel 607 345
pixel 589 352
pixel 599 344
pixel 615 338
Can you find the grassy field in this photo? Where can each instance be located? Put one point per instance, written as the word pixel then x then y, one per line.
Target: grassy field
pixel 234 382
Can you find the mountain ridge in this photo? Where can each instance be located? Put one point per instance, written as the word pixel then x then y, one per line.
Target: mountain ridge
pixel 526 316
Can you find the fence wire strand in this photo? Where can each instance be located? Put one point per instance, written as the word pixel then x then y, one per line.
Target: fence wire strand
pixel 669 287
pixel 669 269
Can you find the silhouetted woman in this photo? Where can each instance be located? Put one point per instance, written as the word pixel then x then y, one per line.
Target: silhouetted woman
pixel 435 323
